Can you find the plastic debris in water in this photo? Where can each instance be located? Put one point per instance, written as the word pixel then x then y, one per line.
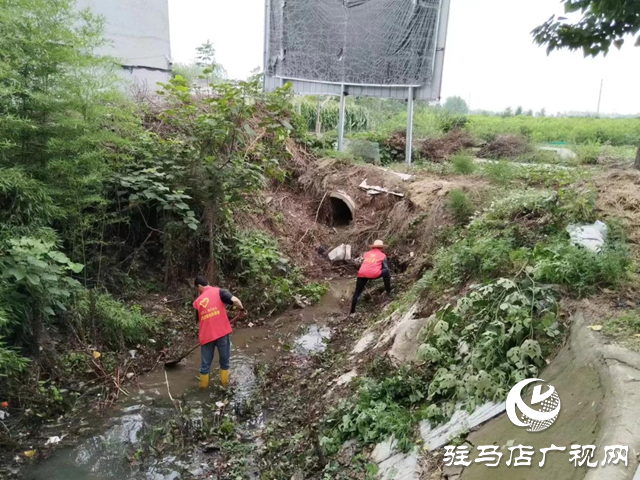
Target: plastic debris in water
pixel 53 441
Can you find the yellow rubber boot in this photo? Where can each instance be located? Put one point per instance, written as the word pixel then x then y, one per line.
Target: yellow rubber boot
pixel 204 380
pixel 224 378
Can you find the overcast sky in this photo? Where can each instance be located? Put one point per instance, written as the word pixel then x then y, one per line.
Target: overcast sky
pixel 490 57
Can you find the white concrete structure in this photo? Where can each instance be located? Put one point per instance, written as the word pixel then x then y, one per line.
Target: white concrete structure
pixel 138 32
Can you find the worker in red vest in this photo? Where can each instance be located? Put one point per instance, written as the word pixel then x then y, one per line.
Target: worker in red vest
pixel 215 328
pixel 374 266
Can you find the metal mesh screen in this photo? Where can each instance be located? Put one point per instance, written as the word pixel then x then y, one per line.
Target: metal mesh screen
pixel 357 42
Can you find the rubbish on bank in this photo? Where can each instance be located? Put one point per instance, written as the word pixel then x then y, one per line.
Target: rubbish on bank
pixel 591 237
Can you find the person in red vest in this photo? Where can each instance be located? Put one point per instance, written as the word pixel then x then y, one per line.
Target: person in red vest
pixel 215 328
pixel 373 266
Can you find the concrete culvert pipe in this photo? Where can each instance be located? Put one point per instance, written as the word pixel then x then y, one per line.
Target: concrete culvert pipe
pixel 343 209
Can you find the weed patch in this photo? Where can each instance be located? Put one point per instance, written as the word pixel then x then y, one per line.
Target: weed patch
pixel 461 205
pixel 625 328
pixel 500 172
pixel 119 324
pixel 486 343
pixel 588 154
pixel 580 270
pixel 463 164
pixel 382 408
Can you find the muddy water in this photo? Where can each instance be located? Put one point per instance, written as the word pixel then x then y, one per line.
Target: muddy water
pixel 103 452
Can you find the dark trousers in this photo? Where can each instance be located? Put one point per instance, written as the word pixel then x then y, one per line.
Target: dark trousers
pixel 224 351
pixel 362 282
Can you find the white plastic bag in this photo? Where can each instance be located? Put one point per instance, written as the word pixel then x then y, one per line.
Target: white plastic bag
pixel 592 237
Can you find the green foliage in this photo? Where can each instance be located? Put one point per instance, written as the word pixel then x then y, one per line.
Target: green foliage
pixel 482 255
pixel 382 408
pixel 539 156
pixel 150 186
pixel 499 242
pixel 500 172
pixel 486 343
pixel 463 164
pixel 11 362
pixel 576 131
pixel 35 273
pixel 600 25
pixel 47 88
pixel 206 60
pixel 580 270
pixel 588 154
pixel 461 205
pixel 625 329
pixel 118 325
pixel 268 279
pixel 577 206
pixel 356 117
pixel 24 201
pixel 448 121
pixel 456 105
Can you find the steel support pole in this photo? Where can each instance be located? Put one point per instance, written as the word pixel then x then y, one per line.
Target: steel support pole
pixel 343 106
pixel 267 39
pixel 409 126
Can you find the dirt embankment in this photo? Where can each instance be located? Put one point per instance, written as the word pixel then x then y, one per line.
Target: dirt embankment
pixel 619 197
pixel 330 202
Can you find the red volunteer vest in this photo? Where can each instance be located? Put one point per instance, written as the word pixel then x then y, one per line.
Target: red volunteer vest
pixel 372 264
pixel 214 323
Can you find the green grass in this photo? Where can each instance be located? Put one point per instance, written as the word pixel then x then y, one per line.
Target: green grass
pixel 550 129
pixel 120 324
pixel 460 205
pixel 463 164
pixel 588 154
pixel 625 329
pixel 499 172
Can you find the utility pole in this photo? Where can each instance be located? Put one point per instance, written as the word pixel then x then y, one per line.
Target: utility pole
pixel 600 97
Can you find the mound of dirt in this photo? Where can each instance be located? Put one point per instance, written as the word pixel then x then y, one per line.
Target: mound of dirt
pixel 619 197
pixel 505 146
pixel 440 149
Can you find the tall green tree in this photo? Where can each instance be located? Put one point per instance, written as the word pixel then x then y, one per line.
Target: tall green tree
pixel 59 120
pixel 456 105
pixel 601 25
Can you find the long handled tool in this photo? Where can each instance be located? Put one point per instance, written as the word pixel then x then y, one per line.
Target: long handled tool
pixel 179 357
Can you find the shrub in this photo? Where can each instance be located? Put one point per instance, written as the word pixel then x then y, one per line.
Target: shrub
pixel 483 256
pixel 579 269
pixel 486 343
pixel 588 154
pixel 541 156
pixel 448 121
pixel 268 279
pixel 36 275
pixel 500 172
pixel 463 164
pixel 119 324
pixel 382 408
pixel 11 362
pixel 461 206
